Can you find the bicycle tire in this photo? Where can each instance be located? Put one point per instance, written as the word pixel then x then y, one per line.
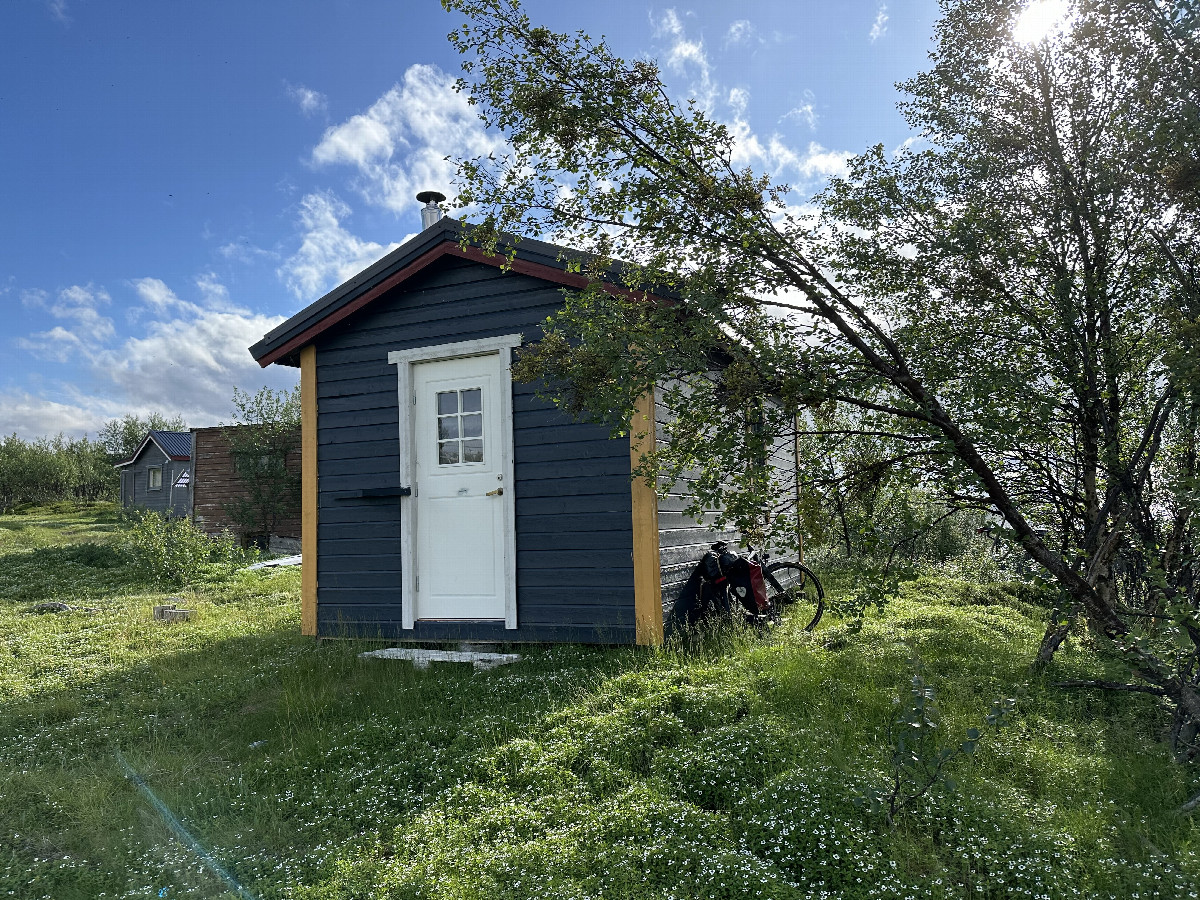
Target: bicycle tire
pixel 791 583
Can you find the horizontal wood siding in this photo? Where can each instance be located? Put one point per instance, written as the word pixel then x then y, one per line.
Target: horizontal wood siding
pixel 135 490
pixel 782 460
pixel 573 507
pixel 216 483
pixel 682 539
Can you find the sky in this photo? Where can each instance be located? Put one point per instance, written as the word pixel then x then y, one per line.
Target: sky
pixel 178 178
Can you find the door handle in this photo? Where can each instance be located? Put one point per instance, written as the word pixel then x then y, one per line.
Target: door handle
pixel 496 493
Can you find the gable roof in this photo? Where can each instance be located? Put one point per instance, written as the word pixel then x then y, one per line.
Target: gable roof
pixel 176 445
pixel 444 238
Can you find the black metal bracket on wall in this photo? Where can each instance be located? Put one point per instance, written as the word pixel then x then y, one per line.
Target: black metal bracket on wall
pixel 372 493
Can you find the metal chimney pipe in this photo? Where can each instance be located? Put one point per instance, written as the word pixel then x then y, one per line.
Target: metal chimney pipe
pixel 430 212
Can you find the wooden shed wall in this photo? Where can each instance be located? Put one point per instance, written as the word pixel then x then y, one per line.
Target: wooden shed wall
pixel 682 539
pixel 573 505
pixel 215 483
pixel 135 491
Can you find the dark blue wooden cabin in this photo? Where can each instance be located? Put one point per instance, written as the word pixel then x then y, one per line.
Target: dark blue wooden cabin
pixel 159 474
pixel 442 501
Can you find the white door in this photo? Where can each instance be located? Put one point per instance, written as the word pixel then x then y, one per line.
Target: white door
pixel 459 486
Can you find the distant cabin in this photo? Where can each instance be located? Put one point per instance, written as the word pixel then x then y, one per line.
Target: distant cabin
pixel 217 485
pixel 191 474
pixel 159 474
pixel 441 500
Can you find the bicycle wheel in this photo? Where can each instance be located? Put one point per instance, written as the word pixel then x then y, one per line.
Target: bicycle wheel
pixel 791 583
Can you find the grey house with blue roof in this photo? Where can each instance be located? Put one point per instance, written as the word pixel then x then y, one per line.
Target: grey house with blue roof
pixel 159 474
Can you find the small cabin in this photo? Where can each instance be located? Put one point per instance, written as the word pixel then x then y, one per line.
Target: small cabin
pixel 158 476
pixel 441 500
pixel 217 487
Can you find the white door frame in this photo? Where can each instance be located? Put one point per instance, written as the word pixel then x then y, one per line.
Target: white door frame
pixel 404 360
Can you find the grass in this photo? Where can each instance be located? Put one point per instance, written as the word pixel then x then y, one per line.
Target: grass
pixel 733 768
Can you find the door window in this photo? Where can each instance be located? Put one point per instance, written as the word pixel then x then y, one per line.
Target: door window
pixel 460 426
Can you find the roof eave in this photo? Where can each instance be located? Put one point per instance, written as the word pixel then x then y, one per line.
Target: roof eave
pixel 446 229
pixel 541 260
pixel 149 439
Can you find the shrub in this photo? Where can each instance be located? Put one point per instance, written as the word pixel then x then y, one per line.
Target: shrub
pixel 173 552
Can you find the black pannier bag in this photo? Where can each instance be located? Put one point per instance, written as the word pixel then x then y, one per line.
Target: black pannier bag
pixel 722 585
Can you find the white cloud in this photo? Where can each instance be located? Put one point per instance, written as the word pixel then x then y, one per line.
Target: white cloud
pixel 309 101
pixel 215 294
pixel 400 145
pixel 81 305
pixel 32 416
pixel 765 153
pixel 34 298
pixel 58 9
pixel 328 254
pixel 185 360
pixel 78 306
pixel 739 32
pixel 686 57
pixel 364 140
pixel 914 143
pixel 739 99
pixel 243 251
pixel 57 345
pixel 806 112
pixel 813 166
pixel 819 162
pixel 159 298
pixel 751 150
pixel 879 26
pixel 188 365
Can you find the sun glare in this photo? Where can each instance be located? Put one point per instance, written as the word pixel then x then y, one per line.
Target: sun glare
pixel 1041 19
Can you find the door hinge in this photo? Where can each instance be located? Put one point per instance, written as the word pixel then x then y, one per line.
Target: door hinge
pixel 417 586
pixel 414 399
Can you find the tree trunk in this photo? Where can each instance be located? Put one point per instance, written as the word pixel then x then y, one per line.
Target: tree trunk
pixel 1055 634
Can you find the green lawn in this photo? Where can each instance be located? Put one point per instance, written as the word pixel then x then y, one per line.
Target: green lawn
pixel 734 769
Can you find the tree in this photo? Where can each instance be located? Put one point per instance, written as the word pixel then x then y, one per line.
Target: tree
pixel 44 470
pixel 121 437
pixel 1012 311
pixel 90 471
pixel 264 433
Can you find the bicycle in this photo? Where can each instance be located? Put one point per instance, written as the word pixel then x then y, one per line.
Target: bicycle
pixel 785 583
pixel 794 584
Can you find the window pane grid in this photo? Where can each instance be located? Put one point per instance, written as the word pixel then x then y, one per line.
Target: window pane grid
pixel 460 426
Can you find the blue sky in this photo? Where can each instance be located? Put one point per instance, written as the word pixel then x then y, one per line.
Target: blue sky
pixel 177 178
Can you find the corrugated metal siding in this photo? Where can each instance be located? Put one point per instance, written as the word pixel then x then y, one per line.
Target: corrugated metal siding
pixel 573 506
pixel 175 443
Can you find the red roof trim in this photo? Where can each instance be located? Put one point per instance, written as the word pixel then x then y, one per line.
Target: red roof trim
pixel 447 248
